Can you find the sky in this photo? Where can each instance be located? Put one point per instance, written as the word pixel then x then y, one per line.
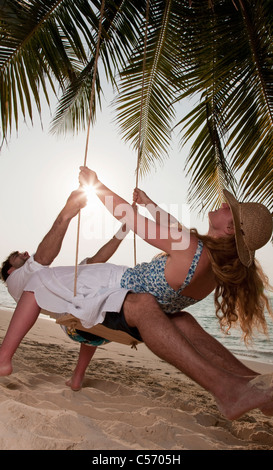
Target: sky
pixel 39 170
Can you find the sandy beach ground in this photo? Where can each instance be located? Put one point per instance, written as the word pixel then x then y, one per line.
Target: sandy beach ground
pixel 131 400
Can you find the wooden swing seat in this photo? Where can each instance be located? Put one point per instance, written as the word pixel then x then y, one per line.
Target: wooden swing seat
pixel 116 336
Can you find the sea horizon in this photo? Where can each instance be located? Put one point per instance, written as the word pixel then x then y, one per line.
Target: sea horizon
pixel 261 349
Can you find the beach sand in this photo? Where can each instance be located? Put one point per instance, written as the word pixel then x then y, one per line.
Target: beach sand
pixel 131 400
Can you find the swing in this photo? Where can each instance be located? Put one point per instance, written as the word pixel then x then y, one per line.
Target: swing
pixel 69 320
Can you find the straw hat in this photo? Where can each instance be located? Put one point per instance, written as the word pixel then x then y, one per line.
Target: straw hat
pixel 253 226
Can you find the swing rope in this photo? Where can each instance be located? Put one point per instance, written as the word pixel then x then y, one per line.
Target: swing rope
pixel 90 120
pixel 140 144
pixel 69 320
pixel 88 134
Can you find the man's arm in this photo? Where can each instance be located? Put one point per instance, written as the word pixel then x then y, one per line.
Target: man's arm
pixel 51 244
pixel 107 250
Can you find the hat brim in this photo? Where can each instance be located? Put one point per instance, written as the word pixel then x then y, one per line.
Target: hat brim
pixel 246 256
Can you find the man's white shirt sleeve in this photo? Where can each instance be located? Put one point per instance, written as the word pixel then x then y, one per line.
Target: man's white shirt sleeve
pixel 18 278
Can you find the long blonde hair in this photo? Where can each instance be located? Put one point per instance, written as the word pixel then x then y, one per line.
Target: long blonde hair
pixel 240 291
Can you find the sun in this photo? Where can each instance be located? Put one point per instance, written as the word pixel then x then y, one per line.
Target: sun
pixel 92 198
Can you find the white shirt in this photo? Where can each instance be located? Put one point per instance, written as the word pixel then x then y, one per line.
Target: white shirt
pixel 19 277
pixel 98 291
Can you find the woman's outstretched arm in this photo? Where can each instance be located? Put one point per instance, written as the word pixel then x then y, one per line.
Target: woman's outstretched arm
pixel 165 238
pixel 159 215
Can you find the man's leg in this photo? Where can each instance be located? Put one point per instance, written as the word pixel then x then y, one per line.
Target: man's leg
pixel 85 356
pixel 24 317
pixel 208 346
pixel 213 350
pixel 232 393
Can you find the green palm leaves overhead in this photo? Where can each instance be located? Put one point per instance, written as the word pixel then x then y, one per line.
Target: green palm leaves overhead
pixel 216 54
pixel 38 50
pixel 156 111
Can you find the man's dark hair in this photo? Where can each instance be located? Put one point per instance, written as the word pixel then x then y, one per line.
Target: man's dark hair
pixel 6 266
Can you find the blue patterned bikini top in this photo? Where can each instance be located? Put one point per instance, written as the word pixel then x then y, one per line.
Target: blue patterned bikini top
pixel 150 277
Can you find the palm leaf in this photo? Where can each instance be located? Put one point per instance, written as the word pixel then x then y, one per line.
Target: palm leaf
pixel 235 66
pixel 156 110
pixel 252 106
pixel 121 24
pixel 40 43
pixel 220 51
pixel 207 163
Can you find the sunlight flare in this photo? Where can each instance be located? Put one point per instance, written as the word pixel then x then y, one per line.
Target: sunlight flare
pixel 92 199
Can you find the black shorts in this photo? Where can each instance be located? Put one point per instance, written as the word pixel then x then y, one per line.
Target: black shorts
pixel 113 321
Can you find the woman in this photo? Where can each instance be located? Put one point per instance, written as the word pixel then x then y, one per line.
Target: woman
pixel 222 260
pixel 191 268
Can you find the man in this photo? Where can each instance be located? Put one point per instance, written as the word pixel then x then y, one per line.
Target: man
pixel 18 268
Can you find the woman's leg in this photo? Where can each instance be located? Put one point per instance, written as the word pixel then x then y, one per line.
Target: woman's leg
pixel 85 356
pixel 24 317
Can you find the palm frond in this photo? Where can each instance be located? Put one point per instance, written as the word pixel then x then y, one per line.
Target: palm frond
pixel 219 50
pixel 207 163
pixel 251 106
pixel 40 45
pixel 235 63
pixel 156 110
pixel 120 30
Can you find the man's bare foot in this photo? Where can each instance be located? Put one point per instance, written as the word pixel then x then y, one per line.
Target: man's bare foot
pixel 265 381
pixel 267 410
pixel 5 368
pixel 248 395
pixel 75 383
